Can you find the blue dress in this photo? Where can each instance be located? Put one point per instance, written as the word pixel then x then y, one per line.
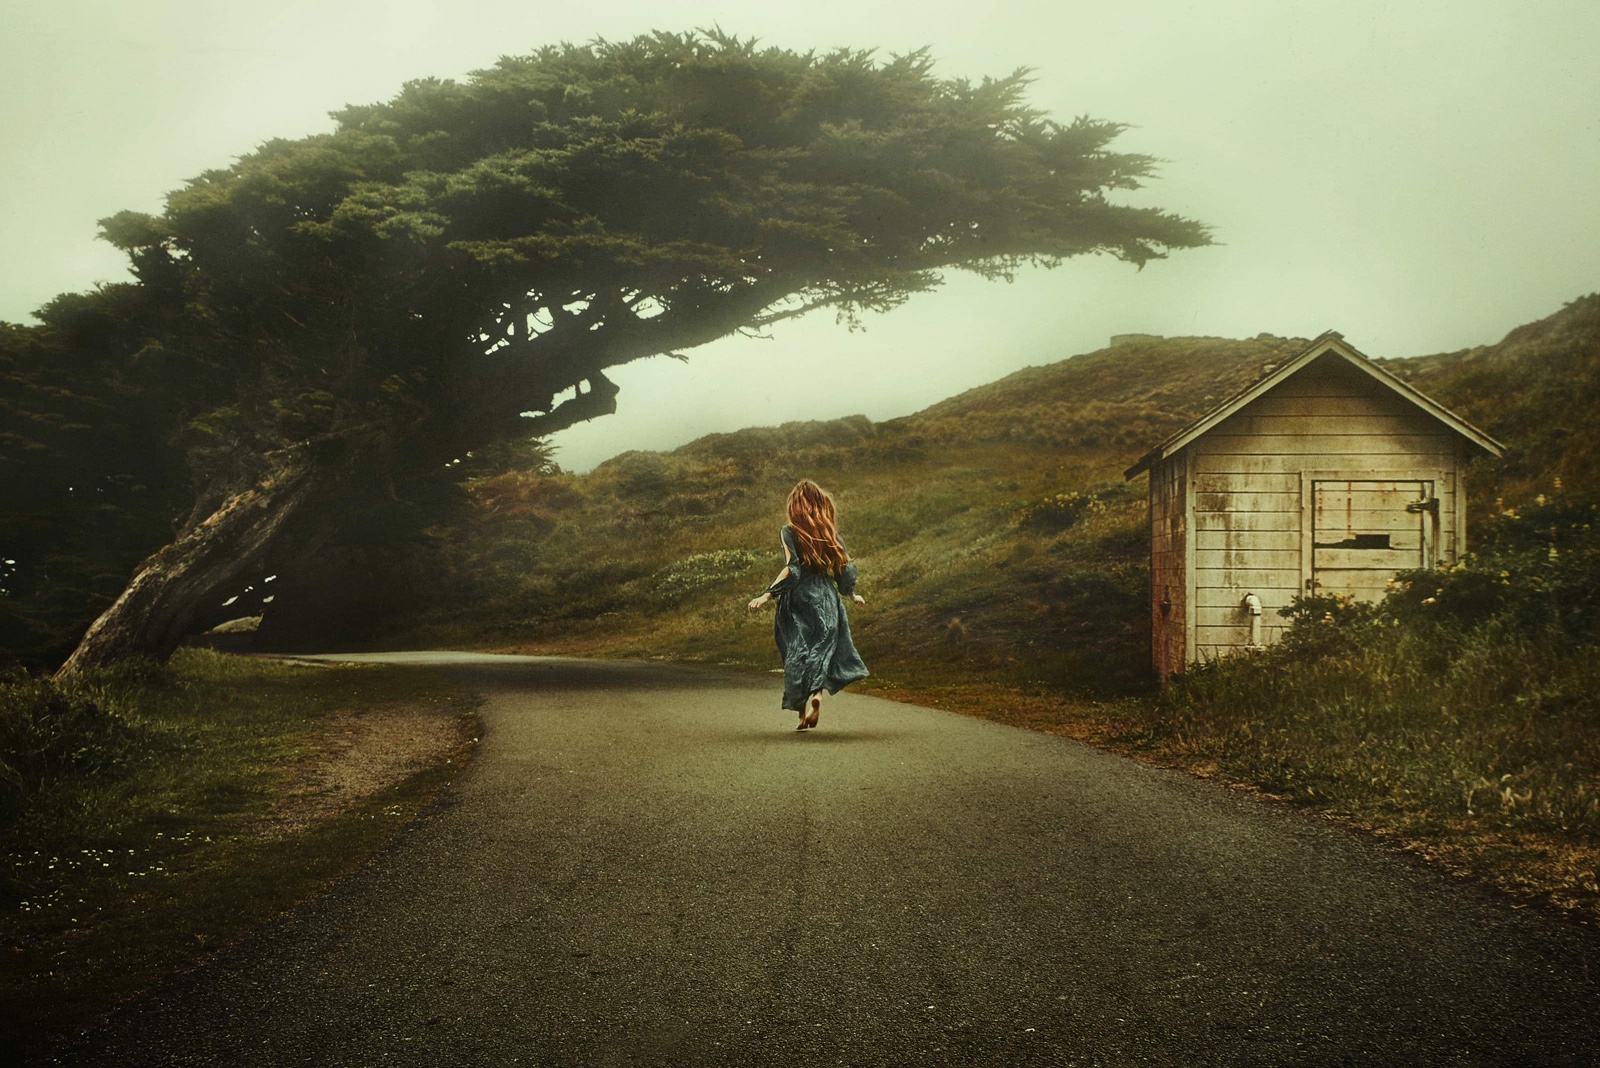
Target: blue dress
pixel 813 629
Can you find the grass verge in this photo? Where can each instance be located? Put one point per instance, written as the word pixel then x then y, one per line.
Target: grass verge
pixel 1314 767
pixel 141 821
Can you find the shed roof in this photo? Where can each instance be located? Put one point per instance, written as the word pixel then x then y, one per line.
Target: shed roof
pixel 1330 345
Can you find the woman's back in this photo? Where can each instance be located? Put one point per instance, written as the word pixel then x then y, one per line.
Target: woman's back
pixel 791 545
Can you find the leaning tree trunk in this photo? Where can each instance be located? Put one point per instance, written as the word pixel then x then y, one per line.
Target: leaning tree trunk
pixel 175 584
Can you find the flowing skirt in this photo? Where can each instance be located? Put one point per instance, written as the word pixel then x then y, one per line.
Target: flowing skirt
pixel 813 634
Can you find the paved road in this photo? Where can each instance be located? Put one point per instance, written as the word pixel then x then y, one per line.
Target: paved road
pixel 646 866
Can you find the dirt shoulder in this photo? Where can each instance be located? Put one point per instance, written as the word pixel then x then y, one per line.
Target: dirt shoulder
pixel 360 754
pixel 244 786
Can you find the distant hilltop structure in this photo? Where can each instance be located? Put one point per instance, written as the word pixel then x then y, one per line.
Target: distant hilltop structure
pixel 1132 339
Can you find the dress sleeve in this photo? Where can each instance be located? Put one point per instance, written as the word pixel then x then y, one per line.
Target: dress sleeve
pixel 847 576
pixel 791 575
pixel 847 579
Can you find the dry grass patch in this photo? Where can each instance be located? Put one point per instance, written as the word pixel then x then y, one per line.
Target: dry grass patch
pixel 360 754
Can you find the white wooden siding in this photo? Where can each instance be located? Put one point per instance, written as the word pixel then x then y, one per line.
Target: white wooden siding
pixel 1250 538
pixel 1285 482
pixel 1244 521
pixel 1251 522
pixel 1249 463
pixel 1242 500
pixel 1252 557
pixel 1320 445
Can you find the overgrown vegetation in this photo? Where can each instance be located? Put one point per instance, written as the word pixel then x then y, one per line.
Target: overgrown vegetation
pixel 131 818
pixel 1462 712
pixel 1537 390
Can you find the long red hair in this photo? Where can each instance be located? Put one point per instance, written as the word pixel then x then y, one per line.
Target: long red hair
pixel 811 515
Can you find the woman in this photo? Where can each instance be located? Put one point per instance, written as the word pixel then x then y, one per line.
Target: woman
pixel 811 626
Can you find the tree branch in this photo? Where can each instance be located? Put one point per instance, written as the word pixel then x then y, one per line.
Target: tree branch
pixel 600 400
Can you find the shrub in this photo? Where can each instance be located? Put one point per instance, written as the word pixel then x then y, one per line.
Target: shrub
pixel 1061 511
pixel 1468 692
pixel 1537 570
pixel 688 576
pixel 641 477
pixel 48 730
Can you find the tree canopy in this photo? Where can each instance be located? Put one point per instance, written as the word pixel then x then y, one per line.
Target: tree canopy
pixel 463 263
pixel 89 483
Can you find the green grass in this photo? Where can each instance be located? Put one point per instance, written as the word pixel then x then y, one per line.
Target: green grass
pixel 138 847
pixel 963 573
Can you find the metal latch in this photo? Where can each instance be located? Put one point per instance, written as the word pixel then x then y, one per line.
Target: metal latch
pixel 1431 505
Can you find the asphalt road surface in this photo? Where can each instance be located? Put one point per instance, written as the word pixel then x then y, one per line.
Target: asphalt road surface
pixel 647 866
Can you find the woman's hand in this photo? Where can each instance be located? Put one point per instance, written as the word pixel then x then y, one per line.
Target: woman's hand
pixel 757 602
pixel 858 599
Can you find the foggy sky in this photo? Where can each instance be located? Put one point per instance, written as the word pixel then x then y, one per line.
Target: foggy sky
pixel 1419 176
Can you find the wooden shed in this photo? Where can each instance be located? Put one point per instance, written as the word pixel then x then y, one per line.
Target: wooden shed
pixel 1327 475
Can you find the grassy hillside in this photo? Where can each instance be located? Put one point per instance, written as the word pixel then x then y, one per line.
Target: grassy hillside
pixel 1538 391
pixel 996 537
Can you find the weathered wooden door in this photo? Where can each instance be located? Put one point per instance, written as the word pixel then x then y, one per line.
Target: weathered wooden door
pixel 1364 531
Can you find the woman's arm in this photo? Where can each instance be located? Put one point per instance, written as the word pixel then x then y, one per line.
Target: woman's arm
pixel 847 583
pixel 757 602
